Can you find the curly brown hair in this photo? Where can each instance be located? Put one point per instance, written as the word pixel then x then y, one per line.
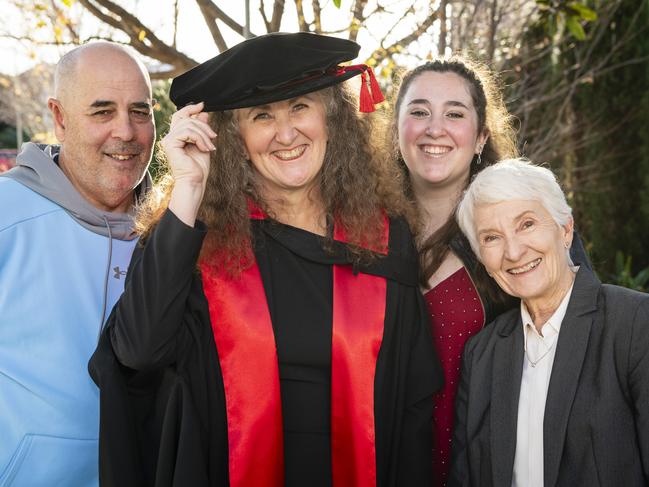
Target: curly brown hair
pixel 493 118
pixel 358 185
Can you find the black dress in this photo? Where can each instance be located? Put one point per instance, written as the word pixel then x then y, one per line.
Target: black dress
pixel 300 294
pixel 163 419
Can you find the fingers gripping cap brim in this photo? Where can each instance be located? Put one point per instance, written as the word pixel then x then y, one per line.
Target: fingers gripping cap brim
pixel 265 69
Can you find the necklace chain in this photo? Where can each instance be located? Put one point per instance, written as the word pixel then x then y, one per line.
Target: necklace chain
pixel 533 363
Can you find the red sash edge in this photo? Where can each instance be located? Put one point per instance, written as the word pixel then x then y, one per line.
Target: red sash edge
pixel 242 329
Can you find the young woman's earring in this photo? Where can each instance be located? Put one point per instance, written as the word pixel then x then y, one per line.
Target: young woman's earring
pixel 479 160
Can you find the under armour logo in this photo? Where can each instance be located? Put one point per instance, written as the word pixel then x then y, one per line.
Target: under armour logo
pixel 118 272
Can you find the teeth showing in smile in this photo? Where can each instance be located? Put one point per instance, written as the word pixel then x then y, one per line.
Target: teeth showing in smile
pixel 525 268
pixel 121 157
pixel 290 154
pixel 436 149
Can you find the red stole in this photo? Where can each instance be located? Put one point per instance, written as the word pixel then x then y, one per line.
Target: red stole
pixel 244 337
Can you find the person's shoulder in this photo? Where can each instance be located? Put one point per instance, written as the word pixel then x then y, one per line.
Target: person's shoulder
pixel 401 239
pixel 18 203
pixel 624 293
pixel 624 302
pixel 504 325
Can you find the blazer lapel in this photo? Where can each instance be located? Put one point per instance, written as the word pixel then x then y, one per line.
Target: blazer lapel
pixel 505 389
pixel 566 369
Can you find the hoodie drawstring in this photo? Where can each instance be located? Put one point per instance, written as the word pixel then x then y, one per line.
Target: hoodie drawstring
pixel 106 276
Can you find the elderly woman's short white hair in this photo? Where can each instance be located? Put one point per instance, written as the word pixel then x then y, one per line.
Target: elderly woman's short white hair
pixel 507 180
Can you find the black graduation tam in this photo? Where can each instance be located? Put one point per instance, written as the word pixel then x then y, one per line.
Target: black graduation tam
pixel 270 68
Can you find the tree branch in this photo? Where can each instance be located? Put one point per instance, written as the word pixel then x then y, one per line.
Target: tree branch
pixel 317 16
pixel 68 25
pixel 405 14
pixel 173 42
pixel 278 13
pixel 148 44
pixel 383 52
pixel 219 14
pixel 357 19
pixel 262 11
pixel 210 20
pixel 301 20
pixel 441 46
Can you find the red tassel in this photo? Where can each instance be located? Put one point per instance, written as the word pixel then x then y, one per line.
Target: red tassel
pixel 366 103
pixel 369 96
pixel 377 95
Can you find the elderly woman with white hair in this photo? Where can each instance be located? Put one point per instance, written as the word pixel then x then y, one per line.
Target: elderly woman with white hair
pixel 555 393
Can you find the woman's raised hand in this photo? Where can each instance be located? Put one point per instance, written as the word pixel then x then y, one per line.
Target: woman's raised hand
pixel 187 146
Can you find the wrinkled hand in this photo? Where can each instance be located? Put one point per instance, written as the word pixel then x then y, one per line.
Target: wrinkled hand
pixel 188 145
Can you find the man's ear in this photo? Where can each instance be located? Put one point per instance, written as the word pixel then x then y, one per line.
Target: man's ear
pixel 59 118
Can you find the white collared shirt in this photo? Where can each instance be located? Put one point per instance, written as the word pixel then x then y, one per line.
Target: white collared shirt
pixel 539 350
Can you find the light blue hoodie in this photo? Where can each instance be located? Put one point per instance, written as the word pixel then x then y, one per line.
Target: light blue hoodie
pixel 62 267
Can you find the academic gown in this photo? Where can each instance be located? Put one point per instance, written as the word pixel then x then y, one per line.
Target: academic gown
pixel 163 420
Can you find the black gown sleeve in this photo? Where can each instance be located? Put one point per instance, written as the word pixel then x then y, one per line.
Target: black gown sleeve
pixel 162 404
pixel 146 321
pixel 408 375
pixel 459 473
pixel 424 379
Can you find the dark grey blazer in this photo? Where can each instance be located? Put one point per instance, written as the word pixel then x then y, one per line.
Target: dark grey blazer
pixel 596 425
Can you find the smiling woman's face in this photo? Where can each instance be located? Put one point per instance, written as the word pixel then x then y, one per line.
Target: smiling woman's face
pixel 438 130
pixel 523 248
pixel 286 142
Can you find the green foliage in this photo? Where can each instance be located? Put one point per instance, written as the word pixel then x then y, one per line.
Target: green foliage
pixel 624 274
pixel 163 108
pixel 557 15
pixel 613 199
pixel 582 11
pixel 603 161
pixel 8 136
pixel 162 111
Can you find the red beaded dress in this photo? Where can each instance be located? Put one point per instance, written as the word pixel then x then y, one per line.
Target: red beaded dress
pixel 456 313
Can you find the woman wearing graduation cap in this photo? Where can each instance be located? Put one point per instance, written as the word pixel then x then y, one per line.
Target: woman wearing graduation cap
pixel 271 331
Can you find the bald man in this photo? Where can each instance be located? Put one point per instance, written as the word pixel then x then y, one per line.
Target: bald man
pixel 66 238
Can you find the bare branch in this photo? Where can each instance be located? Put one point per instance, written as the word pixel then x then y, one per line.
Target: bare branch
pixel 209 15
pixel 173 42
pixel 301 20
pixel 317 16
pixel 278 13
pixel 56 13
pixel 357 19
pixel 405 14
pixel 275 22
pixel 141 37
pixel 28 39
pixel 166 74
pixel 441 45
pixel 219 14
pixel 262 11
pixel 493 28
pixel 383 52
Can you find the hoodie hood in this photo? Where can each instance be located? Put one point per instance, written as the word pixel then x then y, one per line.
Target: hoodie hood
pixel 36 169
